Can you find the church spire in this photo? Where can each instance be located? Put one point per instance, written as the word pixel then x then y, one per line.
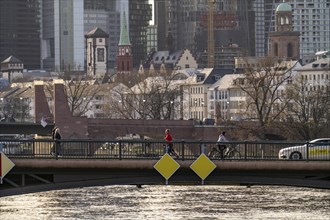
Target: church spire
pixel 124 37
pixel 124 58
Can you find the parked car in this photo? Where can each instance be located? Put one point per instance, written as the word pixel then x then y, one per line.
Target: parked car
pixel 318 149
pixel 208 121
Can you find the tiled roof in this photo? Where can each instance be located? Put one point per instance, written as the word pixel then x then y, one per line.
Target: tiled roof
pixel 97 32
pixel 12 59
pixel 320 64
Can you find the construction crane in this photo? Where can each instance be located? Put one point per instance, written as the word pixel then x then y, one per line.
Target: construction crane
pixel 210 34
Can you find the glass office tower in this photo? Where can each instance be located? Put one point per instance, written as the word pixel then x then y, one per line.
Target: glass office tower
pixel 20 31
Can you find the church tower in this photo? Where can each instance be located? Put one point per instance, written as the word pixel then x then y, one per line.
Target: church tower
pixel 124 58
pixel 284 42
pixel 97 53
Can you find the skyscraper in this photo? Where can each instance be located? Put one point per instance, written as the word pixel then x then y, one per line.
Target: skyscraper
pixel 63 45
pixel 312 19
pixel 186 22
pixel 139 13
pixel 161 20
pixel 20 31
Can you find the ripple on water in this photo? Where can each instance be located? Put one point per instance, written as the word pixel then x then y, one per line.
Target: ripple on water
pixel 170 202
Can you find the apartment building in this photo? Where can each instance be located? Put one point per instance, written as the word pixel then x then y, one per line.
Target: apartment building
pixel 316 75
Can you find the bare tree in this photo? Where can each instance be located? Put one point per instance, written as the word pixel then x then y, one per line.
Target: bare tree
pixel 15 103
pixel 79 90
pixel 80 93
pixel 263 86
pixel 116 101
pixel 15 109
pixel 308 112
pixel 153 96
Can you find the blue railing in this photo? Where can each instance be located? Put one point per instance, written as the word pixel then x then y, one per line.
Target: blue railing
pixel 154 149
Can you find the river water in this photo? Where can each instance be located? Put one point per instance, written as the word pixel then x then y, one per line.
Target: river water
pixel 170 202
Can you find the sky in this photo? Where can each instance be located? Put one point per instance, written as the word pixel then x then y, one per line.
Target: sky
pixel 153 13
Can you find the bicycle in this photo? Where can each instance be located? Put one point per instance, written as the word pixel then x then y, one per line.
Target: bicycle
pixel 228 152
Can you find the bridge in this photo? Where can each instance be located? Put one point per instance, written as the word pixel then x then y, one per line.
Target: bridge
pixel 111 162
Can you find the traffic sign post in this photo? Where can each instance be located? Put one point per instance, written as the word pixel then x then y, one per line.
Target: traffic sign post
pixel 166 166
pixel 203 166
pixel 5 166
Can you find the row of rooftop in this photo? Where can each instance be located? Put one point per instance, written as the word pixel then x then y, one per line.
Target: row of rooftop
pixel 207 93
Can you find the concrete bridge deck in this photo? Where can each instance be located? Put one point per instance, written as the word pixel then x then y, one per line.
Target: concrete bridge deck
pixel 32 175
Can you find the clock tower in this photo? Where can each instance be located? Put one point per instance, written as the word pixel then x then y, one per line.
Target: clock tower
pixel 284 42
pixel 124 59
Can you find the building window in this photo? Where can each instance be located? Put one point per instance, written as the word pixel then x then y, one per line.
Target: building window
pixel 100 55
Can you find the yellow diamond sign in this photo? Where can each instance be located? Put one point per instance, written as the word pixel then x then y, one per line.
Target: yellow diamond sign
pixel 203 166
pixel 166 166
pixel 5 165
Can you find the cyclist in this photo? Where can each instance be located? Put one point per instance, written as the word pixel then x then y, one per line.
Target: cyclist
pixel 222 138
pixel 169 139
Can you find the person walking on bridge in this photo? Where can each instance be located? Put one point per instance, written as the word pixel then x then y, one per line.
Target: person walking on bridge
pixel 56 136
pixel 169 139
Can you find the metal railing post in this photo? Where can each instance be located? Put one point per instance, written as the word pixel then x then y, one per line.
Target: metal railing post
pixel 245 150
pixel 182 150
pixel 120 150
pixel 33 148
pixel 56 150
pixel 201 147
pixel 307 151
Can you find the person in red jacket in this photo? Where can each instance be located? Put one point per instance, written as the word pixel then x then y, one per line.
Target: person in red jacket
pixel 169 139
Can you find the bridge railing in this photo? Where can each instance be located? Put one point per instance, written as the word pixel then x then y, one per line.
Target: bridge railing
pixel 154 149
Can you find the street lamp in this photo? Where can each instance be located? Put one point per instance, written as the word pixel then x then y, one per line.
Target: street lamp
pixel 195 113
pixel 21 102
pixel 144 101
pixel 202 109
pixel 240 110
pixel 2 113
pixel 228 110
pixel 171 110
